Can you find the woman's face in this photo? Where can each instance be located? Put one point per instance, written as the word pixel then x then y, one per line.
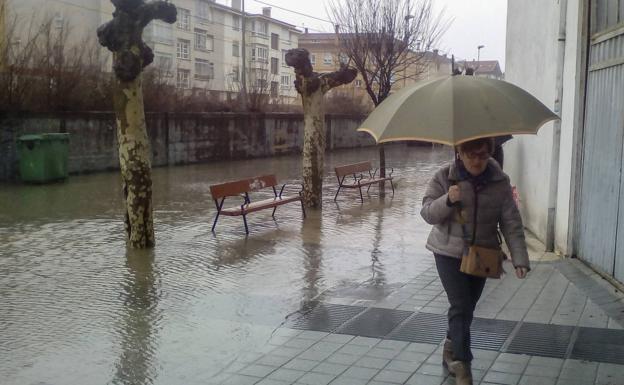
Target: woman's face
pixel 475 161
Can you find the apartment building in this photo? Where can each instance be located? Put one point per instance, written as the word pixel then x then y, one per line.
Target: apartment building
pixel 326 56
pixel 201 51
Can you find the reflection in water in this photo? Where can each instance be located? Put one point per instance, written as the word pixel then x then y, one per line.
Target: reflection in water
pixel 235 287
pixel 241 250
pixel 311 232
pixel 378 278
pixel 138 323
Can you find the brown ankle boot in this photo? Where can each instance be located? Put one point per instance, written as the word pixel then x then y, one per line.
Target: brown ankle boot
pixel 463 372
pixel 447 355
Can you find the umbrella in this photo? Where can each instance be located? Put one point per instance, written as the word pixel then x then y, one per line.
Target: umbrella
pixel 455 109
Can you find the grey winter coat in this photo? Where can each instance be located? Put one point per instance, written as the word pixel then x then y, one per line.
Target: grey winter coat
pixel 495 205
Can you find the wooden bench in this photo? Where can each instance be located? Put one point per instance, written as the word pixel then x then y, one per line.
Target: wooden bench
pixel 242 188
pixel 363 175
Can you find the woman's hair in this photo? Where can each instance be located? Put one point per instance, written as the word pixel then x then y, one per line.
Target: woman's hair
pixel 477 144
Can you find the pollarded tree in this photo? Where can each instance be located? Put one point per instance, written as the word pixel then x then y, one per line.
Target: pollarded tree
pixel 312 87
pixel 123 37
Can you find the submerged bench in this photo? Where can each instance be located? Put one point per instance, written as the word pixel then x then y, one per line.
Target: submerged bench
pixel 363 175
pixel 242 188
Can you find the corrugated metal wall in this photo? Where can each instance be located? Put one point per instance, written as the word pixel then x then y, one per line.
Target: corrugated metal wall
pixel 601 229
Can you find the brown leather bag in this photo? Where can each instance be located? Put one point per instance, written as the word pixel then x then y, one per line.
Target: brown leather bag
pixel 482 262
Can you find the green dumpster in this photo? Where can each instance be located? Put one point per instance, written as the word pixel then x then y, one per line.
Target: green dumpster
pixel 43 157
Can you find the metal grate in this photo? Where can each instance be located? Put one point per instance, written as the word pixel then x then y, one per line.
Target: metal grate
pixel 602 345
pixel 541 340
pixel 490 334
pixel 375 322
pixel 325 317
pixel 422 328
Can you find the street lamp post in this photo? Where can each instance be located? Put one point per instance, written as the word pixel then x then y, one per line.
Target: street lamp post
pixel 479 56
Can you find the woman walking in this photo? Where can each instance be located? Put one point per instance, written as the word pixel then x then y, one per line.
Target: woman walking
pixel 466 201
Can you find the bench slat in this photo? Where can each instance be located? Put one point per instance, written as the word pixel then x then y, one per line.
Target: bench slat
pixel 353 168
pixel 364 182
pixel 238 187
pixel 259 205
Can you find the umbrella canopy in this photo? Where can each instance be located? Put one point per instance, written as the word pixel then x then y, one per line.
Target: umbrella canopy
pixel 456 109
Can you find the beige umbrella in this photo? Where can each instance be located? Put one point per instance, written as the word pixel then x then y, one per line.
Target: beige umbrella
pixel 456 109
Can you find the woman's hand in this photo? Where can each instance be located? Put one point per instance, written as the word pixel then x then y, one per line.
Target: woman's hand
pixel 521 272
pixel 454 194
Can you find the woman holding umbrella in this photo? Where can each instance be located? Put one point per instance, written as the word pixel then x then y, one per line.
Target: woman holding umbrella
pixel 469 198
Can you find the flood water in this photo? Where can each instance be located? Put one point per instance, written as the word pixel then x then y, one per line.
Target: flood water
pixel 76 307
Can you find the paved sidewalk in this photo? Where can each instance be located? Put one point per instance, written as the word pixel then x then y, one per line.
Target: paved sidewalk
pixel 528 332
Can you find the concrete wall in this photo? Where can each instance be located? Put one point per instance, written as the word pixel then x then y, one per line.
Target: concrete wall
pixel 531 63
pixel 176 139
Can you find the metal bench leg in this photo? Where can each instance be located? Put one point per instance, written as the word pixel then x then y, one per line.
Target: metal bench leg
pixel 303 209
pixel 215 221
pixel 392 185
pixel 368 188
pixel 336 196
pixel 273 213
pixel 361 197
pixel 219 207
pixel 245 222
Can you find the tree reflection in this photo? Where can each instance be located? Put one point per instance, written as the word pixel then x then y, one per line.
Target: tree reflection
pixel 311 232
pixel 138 328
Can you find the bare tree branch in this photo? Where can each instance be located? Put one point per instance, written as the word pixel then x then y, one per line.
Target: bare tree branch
pixel 386 40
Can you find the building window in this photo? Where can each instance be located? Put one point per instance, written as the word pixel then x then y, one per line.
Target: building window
pixel 284 58
pixel 236 22
pixel 285 80
pixel 204 70
pixel 183 49
pixel 204 13
pixel 163 63
pixel 235 49
pixel 260 53
pixel 162 32
pixel 184 19
pixel 357 83
pixel 235 72
pixel 312 59
pixel 328 59
pixel 261 84
pixel 274 89
pixel 183 79
pixel 260 27
pixel 59 21
pixel 344 59
pixel 274 65
pixel 203 41
pixel 274 41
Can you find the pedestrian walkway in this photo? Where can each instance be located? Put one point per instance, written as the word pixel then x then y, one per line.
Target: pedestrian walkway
pixel 561 325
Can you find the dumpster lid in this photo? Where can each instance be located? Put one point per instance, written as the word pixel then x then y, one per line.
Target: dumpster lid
pixel 31 137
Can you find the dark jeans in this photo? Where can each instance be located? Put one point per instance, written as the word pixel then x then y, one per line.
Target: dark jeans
pixel 463 292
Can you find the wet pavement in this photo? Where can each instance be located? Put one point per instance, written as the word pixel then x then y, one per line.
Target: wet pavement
pixel 77 307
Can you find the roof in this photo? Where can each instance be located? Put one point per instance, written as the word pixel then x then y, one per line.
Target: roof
pixel 254 15
pixel 328 40
pixel 484 66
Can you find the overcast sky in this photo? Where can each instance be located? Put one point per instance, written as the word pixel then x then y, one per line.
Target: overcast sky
pixel 474 23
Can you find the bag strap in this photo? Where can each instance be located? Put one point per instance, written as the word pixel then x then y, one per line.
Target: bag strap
pixel 458 206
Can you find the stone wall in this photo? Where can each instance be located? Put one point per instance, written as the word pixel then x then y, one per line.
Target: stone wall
pixel 176 138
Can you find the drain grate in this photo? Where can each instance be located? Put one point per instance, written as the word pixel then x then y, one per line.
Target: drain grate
pixel 541 340
pixel 602 345
pixel 490 334
pixel 326 317
pixel 376 322
pixel 422 328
